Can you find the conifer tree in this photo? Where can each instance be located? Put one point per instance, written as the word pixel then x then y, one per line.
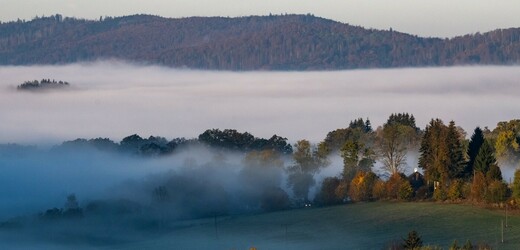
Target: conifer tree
pixel 435 156
pixel 485 158
pixel 474 146
pixel 413 241
pixel 456 162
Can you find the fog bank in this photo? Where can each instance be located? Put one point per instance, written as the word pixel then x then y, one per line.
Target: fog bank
pixel 114 99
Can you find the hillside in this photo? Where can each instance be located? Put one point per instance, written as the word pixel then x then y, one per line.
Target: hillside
pixel 373 225
pixel 287 42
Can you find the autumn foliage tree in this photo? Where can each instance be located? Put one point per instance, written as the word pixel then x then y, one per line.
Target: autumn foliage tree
pixel 507 142
pixel 361 187
pixel 356 158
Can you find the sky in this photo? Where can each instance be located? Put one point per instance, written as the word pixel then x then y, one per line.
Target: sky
pixel 436 18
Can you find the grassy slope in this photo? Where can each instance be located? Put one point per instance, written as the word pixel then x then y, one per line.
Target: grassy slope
pixel 358 226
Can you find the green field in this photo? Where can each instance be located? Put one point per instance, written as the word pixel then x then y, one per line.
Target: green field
pixel 355 226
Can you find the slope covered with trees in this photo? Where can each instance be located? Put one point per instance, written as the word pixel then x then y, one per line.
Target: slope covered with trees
pixel 286 42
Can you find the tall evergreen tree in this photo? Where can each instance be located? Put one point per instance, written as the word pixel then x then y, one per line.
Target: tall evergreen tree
pixel 435 156
pixel 368 126
pixel 456 162
pixel 474 146
pixel 485 158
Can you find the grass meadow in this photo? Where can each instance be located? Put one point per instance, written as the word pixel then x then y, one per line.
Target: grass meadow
pixel 354 226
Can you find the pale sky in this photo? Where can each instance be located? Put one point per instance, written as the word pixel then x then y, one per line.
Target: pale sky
pixel 439 18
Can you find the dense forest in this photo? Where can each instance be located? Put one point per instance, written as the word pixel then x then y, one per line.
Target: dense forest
pixel 274 42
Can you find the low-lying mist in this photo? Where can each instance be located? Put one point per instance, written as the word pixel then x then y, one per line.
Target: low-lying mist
pixel 131 197
pixel 114 99
pixel 195 181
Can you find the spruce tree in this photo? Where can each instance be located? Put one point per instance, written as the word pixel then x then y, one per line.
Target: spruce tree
pixel 485 158
pixel 456 161
pixel 435 156
pixel 474 146
pixel 413 241
pixel 368 126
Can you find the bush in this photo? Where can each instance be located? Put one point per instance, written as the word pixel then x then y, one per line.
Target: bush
pixel 405 191
pixel 478 187
pixel 327 194
pixel 342 190
pixel 439 194
pixel 393 185
pixel 423 193
pixel 455 191
pixel 361 186
pixel 378 189
pixel 516 185
pixel 466 190
pixel 497 192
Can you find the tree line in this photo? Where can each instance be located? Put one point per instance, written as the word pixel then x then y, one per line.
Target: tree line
pixel 450 166
pixel 43 84
pixel 275 42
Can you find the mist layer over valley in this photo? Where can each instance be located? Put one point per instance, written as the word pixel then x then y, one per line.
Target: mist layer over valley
pixel 113 100
pixel 134 198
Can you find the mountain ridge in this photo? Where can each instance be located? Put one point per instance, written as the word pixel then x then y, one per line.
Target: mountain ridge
pixel 274 42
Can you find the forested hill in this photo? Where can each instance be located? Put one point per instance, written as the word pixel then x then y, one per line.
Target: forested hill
pixel 287 42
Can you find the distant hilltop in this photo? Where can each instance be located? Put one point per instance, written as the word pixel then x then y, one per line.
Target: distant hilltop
pixel 43 84
pixel 274 42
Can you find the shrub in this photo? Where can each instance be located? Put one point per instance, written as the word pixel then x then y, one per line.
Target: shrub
pixel 439 194
pixel 327 194
pixel 423 192
pixel 361 186
pixel 378 189
pixel 478 187
pixel 466 190
pixel 454 245
pixel 467 246
pixel 497 192
pixel 342 190
pixel 393 185
pixel 405 191
pixel 516 185
pixel 455 192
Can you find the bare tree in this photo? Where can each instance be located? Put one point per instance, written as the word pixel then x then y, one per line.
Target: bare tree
pixel 393 147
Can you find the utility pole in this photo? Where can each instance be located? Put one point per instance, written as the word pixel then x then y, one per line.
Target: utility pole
pixel 506 214
pixel 502 230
